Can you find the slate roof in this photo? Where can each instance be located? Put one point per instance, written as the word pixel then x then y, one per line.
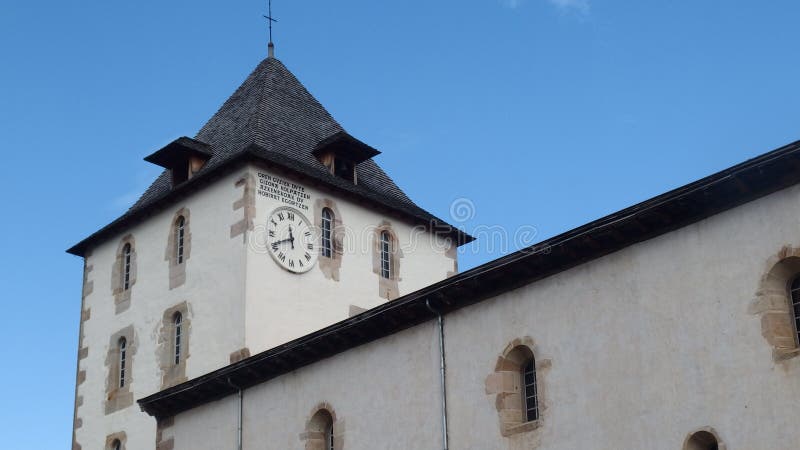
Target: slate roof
pixel 273 117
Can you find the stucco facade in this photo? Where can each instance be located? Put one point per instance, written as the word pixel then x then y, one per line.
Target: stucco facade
pixel 234 298
pixel 643 347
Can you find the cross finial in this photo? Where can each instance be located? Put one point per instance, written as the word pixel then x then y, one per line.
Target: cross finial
pixel 270 19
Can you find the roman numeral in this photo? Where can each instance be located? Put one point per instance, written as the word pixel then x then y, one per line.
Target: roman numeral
pixel 280 216
pixel 272 221
pixel 282 257
pixel 300 261
pixel 271 233
pixel 310 246
pixel 307 233
pixel 308 257
pixel 290 215
pixel 291 263
pixel 274 246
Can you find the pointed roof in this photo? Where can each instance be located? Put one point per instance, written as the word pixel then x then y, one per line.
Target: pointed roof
pixel 272 117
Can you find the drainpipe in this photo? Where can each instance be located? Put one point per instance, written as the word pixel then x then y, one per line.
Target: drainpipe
pixel 239 419
pixel 442 372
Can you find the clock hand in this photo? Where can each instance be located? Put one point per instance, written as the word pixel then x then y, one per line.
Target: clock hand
pixel 291 238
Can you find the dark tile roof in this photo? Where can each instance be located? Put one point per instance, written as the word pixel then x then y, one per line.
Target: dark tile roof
pixel 686 205
pixel 273 114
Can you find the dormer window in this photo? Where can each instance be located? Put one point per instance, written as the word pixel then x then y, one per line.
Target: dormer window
pixel 343 168
pixel 341 153
pixel 183 157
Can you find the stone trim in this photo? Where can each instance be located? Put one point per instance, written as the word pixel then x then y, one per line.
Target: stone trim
pixel 313 435
pixel 330 265
pixel 387 287
pixel 506 384
pixel 247 203
pixel 698 434
pixel 118 398
pixel 83 351
pixel 163 426
pixel 122 297
pixel 177 271
pixel 773 304
pixel 116 436
pixel 171 373
pixel 239 355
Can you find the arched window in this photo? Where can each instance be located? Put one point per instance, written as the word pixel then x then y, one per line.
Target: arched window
pixel 122 345
pixel 530 401
pixel 386 254
pixel 702 440
pixel 320 431
pixel 794 297
pixel 180 230
pixel 116 445
pixel 327 232
pixel 177 321
pixel 126 267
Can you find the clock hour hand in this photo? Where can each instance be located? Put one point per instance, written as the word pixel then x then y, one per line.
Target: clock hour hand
pixel 291 238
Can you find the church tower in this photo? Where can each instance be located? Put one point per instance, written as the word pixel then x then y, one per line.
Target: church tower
pixel 271 223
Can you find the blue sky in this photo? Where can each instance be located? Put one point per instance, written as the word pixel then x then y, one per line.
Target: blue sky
pixel 543 114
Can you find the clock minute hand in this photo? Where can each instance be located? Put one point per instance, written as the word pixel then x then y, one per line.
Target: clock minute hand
pixel 291 238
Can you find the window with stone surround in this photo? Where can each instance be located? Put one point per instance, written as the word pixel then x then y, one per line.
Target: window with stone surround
pixel 123 274
pixel 386 255
pixel 323 431
pixel 173 344
pixel 517 387
pixel 119 365
pixel 777 304
pixel 703 439
pixel 329 220
pixel 179 246
pixel 115 441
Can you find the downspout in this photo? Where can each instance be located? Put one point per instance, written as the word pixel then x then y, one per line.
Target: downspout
pixel 442 372
pixel 239 419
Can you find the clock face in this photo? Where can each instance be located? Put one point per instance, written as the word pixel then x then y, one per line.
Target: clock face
pixel 290 240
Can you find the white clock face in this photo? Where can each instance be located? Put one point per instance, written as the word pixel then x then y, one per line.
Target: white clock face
pixel 290 240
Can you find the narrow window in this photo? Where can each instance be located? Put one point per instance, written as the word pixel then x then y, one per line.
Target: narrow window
pixel 329 436
pixel 126 267
pixel 180 230
pixel 794 292
pixel 122 344
pixel 530 402
pixel 386 255
pixel 116 445
pixel 327 232
pixel 177 320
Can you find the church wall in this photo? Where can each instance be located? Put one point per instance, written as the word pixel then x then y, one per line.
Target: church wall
pixel 645 345
pixel 383 395
pixel 642 347
pixel 213 289
pixel 298 304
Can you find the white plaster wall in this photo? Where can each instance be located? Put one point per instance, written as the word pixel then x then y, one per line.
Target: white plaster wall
pixel 282 306
pixel 214 290
pixel 646 345
pixel 394 408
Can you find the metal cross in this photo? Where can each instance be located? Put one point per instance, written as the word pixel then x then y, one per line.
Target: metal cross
pixel 270 19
